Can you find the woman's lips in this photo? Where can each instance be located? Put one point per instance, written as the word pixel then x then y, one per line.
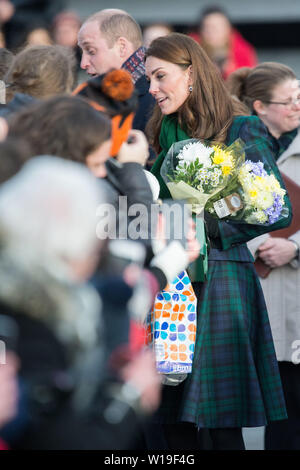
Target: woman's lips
pixel 161 101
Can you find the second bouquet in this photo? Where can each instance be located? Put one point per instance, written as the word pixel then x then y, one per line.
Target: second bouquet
pixel 253 196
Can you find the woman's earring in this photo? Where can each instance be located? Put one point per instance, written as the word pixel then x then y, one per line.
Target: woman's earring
pixel 190 88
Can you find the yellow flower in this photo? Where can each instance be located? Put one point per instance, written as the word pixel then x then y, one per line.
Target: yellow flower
pixel 218 159
pixel 226 170
pixel 221 156
pixel 253 193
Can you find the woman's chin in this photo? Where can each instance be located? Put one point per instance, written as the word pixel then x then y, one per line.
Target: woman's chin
pixel 167 111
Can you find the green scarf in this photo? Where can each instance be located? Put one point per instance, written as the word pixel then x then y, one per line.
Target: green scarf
pixel 169 134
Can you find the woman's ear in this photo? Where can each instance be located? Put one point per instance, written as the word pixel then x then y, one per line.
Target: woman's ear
pixel 259 107
pixel 190 75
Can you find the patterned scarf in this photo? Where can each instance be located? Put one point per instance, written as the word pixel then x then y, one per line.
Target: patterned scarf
pixel 135 64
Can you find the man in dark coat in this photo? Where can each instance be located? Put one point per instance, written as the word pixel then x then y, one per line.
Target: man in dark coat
pixel 111 39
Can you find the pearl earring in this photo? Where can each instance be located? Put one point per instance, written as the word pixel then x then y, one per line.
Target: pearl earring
pixel 190 88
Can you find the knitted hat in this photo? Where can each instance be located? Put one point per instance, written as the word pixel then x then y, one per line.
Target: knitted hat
pixel 113 93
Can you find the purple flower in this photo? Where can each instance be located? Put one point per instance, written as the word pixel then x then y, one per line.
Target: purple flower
pixel 257 168
pixel 274 211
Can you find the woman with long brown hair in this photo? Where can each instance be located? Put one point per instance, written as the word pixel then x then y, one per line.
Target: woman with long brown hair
pixel 235 381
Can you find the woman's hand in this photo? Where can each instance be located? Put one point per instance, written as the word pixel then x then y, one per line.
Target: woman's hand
pixel 276 252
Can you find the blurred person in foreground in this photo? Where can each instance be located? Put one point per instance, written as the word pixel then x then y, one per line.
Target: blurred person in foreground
pixel 61 345
pixel 271 91
pixel 71 128
pixel 37 73
pixel 6 59
pixel 52 127
pixel 43 271
pixel 8 392
pixel 13 155
pixel 222 42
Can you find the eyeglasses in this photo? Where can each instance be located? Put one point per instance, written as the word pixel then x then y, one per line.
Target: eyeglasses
pixel 291 102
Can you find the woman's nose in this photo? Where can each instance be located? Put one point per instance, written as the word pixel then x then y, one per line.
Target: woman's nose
pixel 153 88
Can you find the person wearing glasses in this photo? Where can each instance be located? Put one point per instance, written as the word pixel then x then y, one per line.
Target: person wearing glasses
pixel 271 91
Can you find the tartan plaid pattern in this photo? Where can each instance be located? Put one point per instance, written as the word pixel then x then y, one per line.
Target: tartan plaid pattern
pixel 135 64
pixel 235 380
pixel 260 146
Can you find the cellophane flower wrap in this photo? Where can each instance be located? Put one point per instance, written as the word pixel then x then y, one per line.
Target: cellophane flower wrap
pixel 196 171
pixel 254 196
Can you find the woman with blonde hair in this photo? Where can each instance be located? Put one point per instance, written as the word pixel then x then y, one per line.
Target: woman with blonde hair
pixel 235 381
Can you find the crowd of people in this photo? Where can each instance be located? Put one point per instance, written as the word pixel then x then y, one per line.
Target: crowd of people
pixel 80 270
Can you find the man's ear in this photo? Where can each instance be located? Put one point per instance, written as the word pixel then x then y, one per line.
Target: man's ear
pixel 259 107
pixel 123 47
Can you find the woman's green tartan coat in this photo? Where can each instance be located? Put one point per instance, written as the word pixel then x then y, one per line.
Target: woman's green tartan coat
pixel 235 380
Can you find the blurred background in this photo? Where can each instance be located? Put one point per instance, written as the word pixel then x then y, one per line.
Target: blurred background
pixel 271 26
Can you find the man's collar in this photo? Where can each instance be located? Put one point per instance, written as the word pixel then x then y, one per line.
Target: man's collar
pixel 135 64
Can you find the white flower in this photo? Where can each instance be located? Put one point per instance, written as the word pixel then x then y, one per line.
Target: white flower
pixel 196 150
pixel 264 200
pixel 260 216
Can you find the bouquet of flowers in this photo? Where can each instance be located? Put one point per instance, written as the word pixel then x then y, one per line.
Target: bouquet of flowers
pixel 195 171
pixel 254 196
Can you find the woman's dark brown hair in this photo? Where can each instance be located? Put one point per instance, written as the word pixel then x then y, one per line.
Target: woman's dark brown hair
pixel 67 127
pixel 249 85
pixel 208 111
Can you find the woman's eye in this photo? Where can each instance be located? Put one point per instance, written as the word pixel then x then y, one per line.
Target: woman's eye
pixel 160 76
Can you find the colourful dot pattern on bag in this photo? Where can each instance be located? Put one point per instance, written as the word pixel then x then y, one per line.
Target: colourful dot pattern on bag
pixel 171 326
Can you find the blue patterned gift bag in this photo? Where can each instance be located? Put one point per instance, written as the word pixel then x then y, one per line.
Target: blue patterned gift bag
pixel 171 327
